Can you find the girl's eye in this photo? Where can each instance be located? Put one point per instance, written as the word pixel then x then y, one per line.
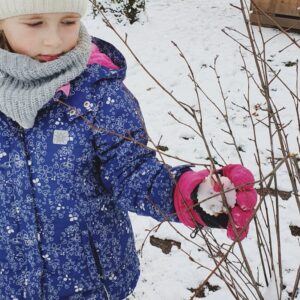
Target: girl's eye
pixel 69 22
pixel 35 24
pixel 39 23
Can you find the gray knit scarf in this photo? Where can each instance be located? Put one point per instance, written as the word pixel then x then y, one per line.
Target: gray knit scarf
pixel 26 85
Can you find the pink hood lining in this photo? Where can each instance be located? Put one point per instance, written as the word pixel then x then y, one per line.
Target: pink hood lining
pixel 96 57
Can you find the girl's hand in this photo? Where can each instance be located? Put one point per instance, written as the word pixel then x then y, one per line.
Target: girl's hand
pixel 192 187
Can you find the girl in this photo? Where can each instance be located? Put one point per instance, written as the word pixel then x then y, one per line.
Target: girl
pixel 74 161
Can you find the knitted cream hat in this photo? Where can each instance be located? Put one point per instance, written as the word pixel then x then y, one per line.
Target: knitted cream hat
pixel 12 8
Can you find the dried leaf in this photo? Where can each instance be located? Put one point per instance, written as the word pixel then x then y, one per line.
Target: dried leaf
pixel 165 245
pixel 284 195
pixel 295 230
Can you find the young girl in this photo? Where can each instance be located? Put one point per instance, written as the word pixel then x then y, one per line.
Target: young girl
pixel 74 161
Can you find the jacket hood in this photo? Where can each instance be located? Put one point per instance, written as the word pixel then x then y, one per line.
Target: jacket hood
pixel 93 74
pixel 115 55
pixel 107 63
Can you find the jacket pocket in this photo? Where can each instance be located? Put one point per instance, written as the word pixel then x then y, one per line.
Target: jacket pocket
pixel 95 253
pixel 68 270
pixel 92 258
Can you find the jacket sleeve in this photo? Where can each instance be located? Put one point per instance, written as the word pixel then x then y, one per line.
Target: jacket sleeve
pixel 137 180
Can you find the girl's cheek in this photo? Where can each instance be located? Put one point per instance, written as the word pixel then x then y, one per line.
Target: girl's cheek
pixel 24 46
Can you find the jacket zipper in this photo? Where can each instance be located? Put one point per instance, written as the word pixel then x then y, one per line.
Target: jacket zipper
pixel 27 157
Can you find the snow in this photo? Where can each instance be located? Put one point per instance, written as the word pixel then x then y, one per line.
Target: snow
pixel 196 27
pixel 271 292
pixel 210 200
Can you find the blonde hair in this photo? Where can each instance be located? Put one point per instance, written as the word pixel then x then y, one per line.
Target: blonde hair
pixel 3 41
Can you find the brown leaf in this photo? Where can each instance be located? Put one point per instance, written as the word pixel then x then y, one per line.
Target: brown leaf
pixel 295 230
pixel 165 245
pixel 199 292
pixel 284 195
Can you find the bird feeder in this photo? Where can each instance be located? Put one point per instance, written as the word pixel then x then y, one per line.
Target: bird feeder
pixel 276 13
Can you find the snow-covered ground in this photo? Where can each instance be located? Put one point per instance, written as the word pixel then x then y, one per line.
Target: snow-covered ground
pixel 196 27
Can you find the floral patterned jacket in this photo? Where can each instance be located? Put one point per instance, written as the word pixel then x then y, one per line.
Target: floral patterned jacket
pixel 66 186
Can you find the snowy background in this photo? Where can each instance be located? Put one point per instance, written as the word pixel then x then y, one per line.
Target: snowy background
pixel 196 27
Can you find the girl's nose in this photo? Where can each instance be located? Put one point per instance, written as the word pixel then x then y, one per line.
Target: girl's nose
pixel 52 38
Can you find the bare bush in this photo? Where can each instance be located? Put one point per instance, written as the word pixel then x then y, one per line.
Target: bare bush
pixel 273 132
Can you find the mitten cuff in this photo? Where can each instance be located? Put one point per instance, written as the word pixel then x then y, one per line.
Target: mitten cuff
pixel 183 203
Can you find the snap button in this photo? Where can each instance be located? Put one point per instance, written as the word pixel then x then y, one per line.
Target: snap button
pixel 87 104
pixel 72 112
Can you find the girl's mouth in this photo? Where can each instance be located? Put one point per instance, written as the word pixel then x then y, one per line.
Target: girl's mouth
pixel 47 57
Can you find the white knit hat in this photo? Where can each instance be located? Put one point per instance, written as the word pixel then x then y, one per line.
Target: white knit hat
pixel 12 8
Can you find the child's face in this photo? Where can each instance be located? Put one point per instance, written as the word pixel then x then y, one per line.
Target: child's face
pixel 43 37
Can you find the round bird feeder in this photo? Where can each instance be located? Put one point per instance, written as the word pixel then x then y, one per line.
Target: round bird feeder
pixel 276 13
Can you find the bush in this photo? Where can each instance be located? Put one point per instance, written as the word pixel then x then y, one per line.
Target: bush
pixel 123 10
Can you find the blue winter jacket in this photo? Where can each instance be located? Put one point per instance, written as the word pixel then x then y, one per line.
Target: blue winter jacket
pixel 66 186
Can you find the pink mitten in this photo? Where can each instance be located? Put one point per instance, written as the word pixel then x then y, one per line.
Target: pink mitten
pixel 246 198
pixel 190 213
pixel 183 202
